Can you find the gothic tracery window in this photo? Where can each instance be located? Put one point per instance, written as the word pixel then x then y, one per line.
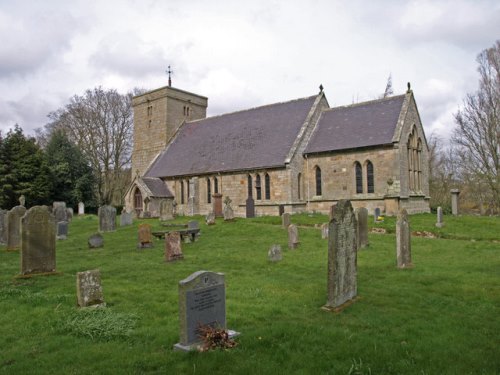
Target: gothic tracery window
pixel 359 178
pixel 414 147
pixel 318 181
pixel 369 177
pixel 209 191
pixel 258 191
pixel 267 181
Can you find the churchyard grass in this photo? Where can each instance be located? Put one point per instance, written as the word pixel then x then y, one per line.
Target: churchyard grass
pixel 440 317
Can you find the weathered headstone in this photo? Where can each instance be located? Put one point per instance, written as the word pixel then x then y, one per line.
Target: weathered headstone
pixel 285 220
pixel 250 207
pixel 293 236
pixel 3 227
pixel 376 215
pixel 14 227
pixel 362 221
pixel 173 247
pixel 95 241
pixel 324 231
pixel 145 238
pixel 89 289
pixel 274 254
pixel 454 201
pixel 22 200
pixel 228 210
pixel 439 218
pixel 59 211
pixel 125 218
pixel 167 209
pixel 217 204
pixel 210 218
pixel 403 240
pixel 202 301
pixel 342 282
pixel 69 213
pixel 38 241
pixel 62 230
pixel 107 218
pixel 81 208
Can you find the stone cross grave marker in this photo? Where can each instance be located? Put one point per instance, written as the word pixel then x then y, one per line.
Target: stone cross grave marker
pixel 173 247
pixel 285 220
pixel 275 254
pixel 95 241
pixel 3 227
pixel 454 201
pixel 126 218
pixel 439 218
pixel 89 289
pixel 38 241
pixel 403 240
pixel 228 210
pixel 107 218
pixel 167 209
pixel 342 282
pixel 14 227
pixel 145 238
pixel 59 211
pixel 81 208
pixel 293 236
pixel 324 231
pixel 362 221
pixel 62 230
pixel 202 301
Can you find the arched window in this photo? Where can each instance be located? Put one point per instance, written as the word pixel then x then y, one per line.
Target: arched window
pixel 216 185
pixel 299 186
pixel 419 164
pixel 137 199
pixel 258 191
pixel 209 191
pixel 250 189
pixel 267 181
pixel 414 161
pixel 359 178
pixel 318 181
pixel 182 192
pixel 369 177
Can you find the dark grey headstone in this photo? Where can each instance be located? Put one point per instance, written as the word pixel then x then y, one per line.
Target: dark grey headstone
pixel 376 214
pixel 281 209
pixel 193 224
pixel 125 218
pixel 89 289
pixel 107 218
pixel 250 207
pixel 59 211
pixel 96 241
pixel 403 240
pixel 62 230
pixel 14 227
pixel 362 220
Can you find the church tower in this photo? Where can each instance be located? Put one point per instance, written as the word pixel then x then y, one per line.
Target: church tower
pixel 157 116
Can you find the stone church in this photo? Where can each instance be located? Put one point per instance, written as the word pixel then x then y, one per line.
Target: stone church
pixel 294 156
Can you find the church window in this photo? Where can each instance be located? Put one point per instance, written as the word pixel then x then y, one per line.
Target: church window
pixel 318 181
pixel 150 111
pixel 267 180
pixel 258 191
pixel 299 186
pixel 137 199
pixel 216 185
pixel 209 191
pixel 369 177
pixel 414 161
pixel 182 192
pixel 419 164
pixel 250 189
pixel 359 178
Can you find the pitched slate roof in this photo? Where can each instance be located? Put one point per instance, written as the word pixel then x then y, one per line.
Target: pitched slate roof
pixel 358 125
pixel 250 139
pixel 157 187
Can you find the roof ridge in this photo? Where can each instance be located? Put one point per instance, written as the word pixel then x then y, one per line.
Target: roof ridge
pixel 366 102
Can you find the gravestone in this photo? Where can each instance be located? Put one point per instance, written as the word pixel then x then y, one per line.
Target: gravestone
pixel 274 254
pixel 167 209
pixel 22 200
pixel 217 204
pixel 107 218
pixel 342 285
pixel 14 227
pixel 173 248
pixel 403 240
pixel 62 230
pixel 193 224
pixel 454 201
pixel 324 231
pixel 210 218
pixel 69 213
pixel 439 218
pixel 376 215
pixel 95 241
pixel 81 208
pixel 362 221
pixel 250 207
pixel 89 289
pixel 228 210
pixel 59 211
pixel 38 241
pixel 293 236
pixel 202 301
pixel 3 227
pixel 125 218
pixel 145 238
pixel 285 220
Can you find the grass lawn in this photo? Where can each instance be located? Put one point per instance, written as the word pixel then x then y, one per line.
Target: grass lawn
pixel 441 317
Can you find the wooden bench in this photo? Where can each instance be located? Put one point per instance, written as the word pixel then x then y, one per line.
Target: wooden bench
pixel 190 233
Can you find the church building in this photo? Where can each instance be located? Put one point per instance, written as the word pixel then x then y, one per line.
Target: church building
pixel 294 156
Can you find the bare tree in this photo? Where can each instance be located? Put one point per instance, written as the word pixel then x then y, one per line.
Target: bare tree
pixel 100 122
pixel 477 136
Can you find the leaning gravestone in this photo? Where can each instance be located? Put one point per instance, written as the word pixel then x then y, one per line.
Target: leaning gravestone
pixel 362 221
pixel 173 248
pixel 202 301
pixel 125 218
pixel 342 283
pixel 145 238
pixel 439 218
pixel 293 236
pixel 3 227
pixel 403 240
pixel 14 227
pixel 274 254
pixel 95 241
pixel 324 231
pixel 107 218
pixel 210 218
pixel 62 230
pixel 285 220
pixel 81 208
pixel 38 241
pixel 89 289
pixel 167 209
pixel 60 212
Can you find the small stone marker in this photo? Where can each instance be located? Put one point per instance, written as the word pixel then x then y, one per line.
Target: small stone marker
pixel 324 231
pixel 439 218
pixel 3 227
pixel 62 230
pixel 14 227
pixel 342 283
pixel 403 240
pixel 125 218
pixel 285 220
pixel 362 221
pixel 228 211
pixel 38 241
pixel 69 213
pixel 107 218
pixel 89 289
pixel 173 248
pixel 274 254
pixel 167 209
pixel 81 208
pixel 59 211
pixel 376 215
pixel 145 238
pixel 250 207
pixel 210 219
pixel 95 241
pixel 202 301
pixel 22 200
pixel 454 201
pixel 293 236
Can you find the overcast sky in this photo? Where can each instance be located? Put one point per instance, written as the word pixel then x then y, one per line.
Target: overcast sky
pixel 242 54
